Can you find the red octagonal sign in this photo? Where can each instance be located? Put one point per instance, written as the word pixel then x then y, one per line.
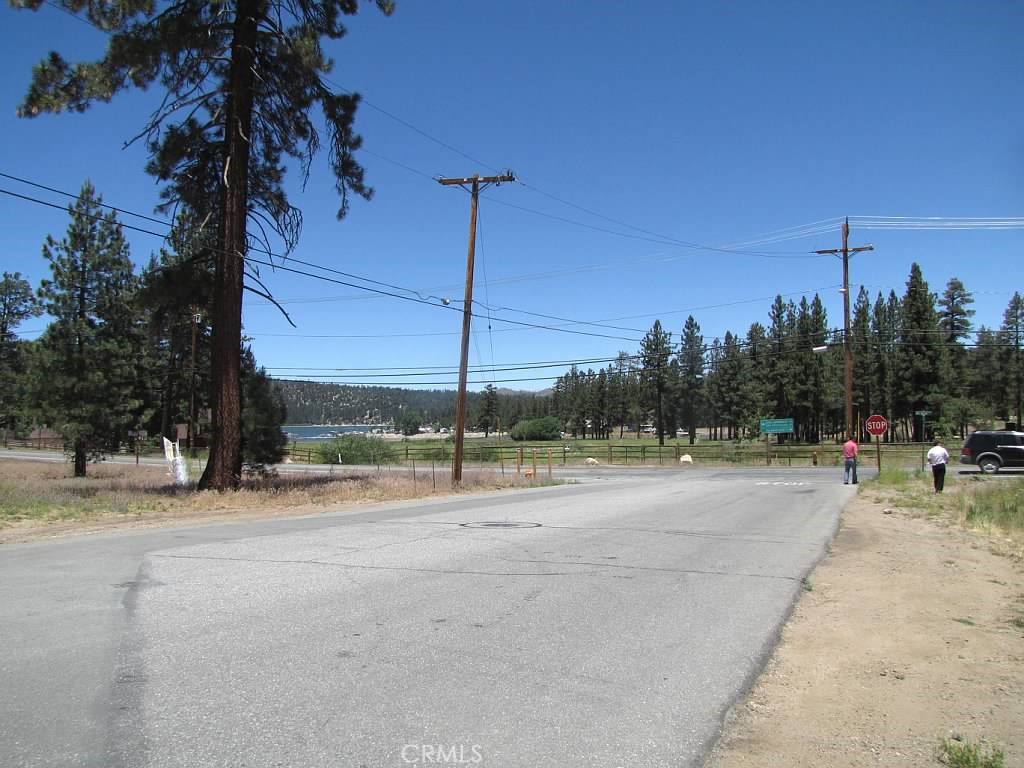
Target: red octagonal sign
pixel 876 425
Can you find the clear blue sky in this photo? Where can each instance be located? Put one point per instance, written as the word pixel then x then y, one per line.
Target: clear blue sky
pixel 708 123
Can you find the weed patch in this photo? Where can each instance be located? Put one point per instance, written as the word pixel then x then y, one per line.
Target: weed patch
pixel 963 753
pixel 995 505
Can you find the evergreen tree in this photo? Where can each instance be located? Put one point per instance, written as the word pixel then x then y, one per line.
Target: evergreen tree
pixel 600 405
pixel 955 322
pixel 263 413
pixel 990 387
pixel 17 304
pixel 782 364
pixel 623 392
pixel 1011 335
pixel 954 311
pixel 817 370
pixel 886 319
pixel 691 375
pixel 922 361
pixel 864 360
pixel 242 80
pixel 489 410
pixel 87 372
pixel 176 295
pixel 759 355
pixel 655 351
pixel 714 395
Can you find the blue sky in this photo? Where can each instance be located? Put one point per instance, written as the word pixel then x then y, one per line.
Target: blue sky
pixel 634 130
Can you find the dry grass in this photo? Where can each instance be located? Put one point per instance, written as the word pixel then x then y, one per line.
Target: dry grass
pixel 44 499
pixel 992 506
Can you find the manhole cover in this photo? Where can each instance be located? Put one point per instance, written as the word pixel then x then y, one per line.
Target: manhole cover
pixel 500 524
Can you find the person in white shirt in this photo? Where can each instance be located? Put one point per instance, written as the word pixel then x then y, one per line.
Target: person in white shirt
pixel 938 457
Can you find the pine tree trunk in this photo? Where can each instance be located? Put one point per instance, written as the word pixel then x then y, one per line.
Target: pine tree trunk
pixel 224 468
pixel 80 459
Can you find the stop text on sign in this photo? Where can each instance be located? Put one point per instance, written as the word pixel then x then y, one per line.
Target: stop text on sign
pixel 876 425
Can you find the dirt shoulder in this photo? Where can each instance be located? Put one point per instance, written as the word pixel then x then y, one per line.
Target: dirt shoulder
pixel 911 631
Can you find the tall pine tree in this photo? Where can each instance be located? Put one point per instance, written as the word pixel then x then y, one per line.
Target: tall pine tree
pixel 245 81
pixel 17 304
pixel 655 375
pixel 86 381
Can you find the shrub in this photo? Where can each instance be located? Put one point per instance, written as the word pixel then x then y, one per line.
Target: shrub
pixel 355 449
pixel 959 753
pixel 409 424
pixel 546 428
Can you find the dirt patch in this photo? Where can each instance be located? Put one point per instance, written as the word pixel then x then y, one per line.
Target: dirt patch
pixel 912 631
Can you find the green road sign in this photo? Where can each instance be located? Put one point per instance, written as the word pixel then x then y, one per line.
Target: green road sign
pixel 776 426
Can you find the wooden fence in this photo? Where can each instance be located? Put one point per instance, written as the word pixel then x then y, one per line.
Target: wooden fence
pixel 906 455
pixel 37 443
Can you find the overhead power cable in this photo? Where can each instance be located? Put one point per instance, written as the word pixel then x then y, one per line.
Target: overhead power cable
pixel 936 222
pixel 416 297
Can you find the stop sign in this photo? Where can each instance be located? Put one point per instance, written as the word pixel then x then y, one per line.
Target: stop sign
pixel 876 425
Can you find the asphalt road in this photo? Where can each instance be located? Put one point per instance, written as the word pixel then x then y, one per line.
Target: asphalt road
pixel 606 623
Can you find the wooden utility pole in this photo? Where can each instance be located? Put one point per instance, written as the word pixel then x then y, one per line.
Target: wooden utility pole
pixel 846 250
pixel 473 185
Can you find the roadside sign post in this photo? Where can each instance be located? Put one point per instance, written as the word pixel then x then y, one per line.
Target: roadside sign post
pixel 877 426
pixel 774 427
pixel 924 442
pixel 137 435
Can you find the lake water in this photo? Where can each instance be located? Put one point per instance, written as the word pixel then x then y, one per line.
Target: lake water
pixel 300 432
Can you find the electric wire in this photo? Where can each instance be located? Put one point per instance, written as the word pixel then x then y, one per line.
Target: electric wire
pixel 417 297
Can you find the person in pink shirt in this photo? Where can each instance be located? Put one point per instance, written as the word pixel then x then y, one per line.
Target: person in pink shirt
pixel 850 451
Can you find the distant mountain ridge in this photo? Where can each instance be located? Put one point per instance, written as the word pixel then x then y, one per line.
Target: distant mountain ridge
pixel 313 402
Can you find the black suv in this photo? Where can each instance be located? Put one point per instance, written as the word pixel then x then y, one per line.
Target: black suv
pixel 993 450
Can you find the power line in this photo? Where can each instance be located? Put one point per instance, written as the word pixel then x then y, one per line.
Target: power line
pixel 432 304
pixel 937 222
pixel 480 369
pixel 249 259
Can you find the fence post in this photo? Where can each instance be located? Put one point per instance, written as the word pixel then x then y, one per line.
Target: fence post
pixel 519 461
pixel 413 469
pixel 533 462
pixel 550 471
pixel 643 454
pixel 609 453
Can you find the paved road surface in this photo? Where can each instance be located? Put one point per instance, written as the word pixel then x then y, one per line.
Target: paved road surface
pixel 615 632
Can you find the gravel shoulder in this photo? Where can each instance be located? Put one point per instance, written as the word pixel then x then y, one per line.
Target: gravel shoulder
pixel 910 631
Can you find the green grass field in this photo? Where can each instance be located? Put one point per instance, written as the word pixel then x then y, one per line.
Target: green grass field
pixel 629 451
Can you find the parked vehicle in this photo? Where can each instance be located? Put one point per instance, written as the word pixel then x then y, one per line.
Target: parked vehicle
pixel 992 450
